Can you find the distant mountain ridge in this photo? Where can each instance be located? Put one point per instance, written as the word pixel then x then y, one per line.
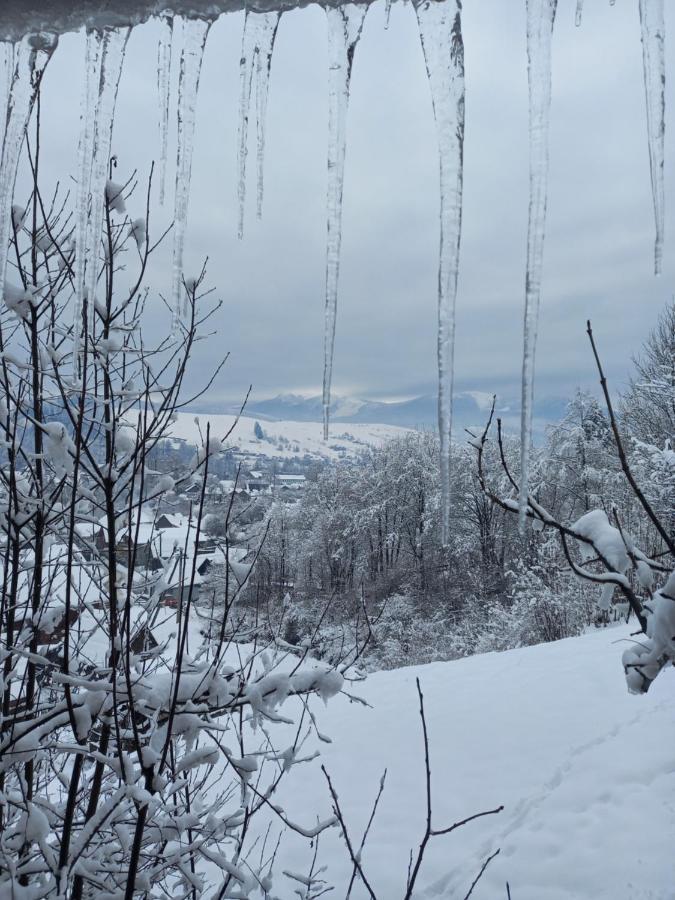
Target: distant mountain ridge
pixel 469 408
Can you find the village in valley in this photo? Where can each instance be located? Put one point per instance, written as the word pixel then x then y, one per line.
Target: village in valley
pixel 188 550
pixel 195 532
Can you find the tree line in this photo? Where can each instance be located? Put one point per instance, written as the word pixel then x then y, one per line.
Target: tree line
pixel 362 548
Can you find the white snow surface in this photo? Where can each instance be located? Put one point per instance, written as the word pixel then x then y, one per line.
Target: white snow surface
pixel 586 773
pixel 345 439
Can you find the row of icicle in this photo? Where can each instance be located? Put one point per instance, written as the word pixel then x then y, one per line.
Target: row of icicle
pixel 440 30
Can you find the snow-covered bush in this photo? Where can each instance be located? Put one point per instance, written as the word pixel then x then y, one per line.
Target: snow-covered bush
pixel 404 637
pixel 537 612
pixel 136 741
pixel 598 546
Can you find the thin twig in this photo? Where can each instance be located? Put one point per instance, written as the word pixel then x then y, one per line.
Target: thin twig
pixel 480 874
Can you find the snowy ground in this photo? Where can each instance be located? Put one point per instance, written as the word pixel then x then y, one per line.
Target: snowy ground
pixel 299 437
pixel 585 771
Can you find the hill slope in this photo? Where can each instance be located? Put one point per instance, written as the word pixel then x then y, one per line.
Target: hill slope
pixel 585 771
pixel 285 439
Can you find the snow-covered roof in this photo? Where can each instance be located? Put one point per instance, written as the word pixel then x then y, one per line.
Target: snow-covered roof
pixel 179 542
pixel 89 529
pixel 166 520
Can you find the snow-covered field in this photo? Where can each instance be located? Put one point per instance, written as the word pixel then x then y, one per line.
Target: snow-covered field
pixel 585 771
pixel 283 440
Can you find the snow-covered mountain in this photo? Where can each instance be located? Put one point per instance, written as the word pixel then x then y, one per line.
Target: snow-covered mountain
pixel 470 408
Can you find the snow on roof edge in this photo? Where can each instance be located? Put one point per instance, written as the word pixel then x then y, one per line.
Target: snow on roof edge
pixel 20 17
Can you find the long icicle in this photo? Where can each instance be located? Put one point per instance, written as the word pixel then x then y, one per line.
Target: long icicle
pixel 6 71
pixel 257 45
pixel 164 48
pixel 195 32
pixel 85 158
pixel 653 28
pixel 29 57
pixel 103 67
pixel 112 60
pixel 540 19
pixel 262 90
pixel 246 64
pixel 345 24
pixel 579 12
pixel 440 27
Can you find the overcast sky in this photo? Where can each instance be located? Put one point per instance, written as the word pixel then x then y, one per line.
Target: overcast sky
pixel 599 247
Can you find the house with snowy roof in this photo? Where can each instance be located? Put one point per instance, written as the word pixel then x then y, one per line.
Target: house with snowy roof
pixel 192 491
pixel 257 486
pixel 166 521
pixel 91 538
pixel 296 482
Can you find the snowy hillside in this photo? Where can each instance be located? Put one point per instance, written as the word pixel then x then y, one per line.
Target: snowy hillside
pixel 586 773
pixel 283 440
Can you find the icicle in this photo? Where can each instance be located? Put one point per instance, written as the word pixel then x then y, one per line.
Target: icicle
pixel 246 63
pixel 6 70
pixel 579 12
pixel 653 28
pixel 29 58
pixel 195 32
pixel 262 89
pixel 112 60
pixel 387 13
pixel 164 95
pixel 257 45
pixel 440 29
pixel 104 60
pixel 345 24
pixel 540 19
pixel 85 156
